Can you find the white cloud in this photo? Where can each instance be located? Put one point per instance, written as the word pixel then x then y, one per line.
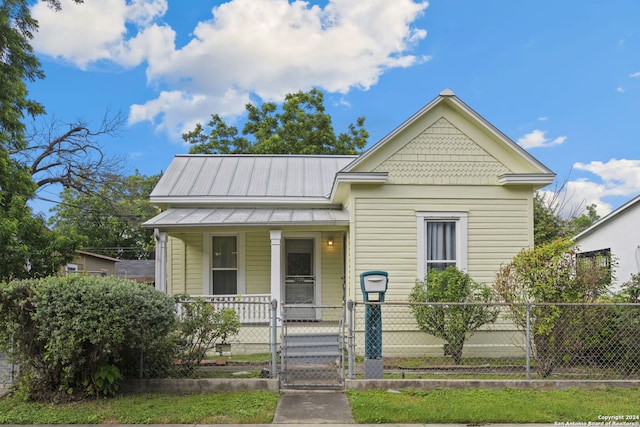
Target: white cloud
pixel 637 74
pixel 537 138
pixel 572 199
pixel 264 47
pixel 620 89
pixel 619 178
pixel 95 30
pixel 80 34
pixel 581 193
pixel 177 112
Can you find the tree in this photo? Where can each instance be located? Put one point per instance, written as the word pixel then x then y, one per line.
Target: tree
pixel 547 225
pixel 70 154
pixel 303 127
pixel 580 223
pixel 452 323
pixel 541 276
pixel 108 215
pixel 28 248
pixel 19 65
pixel 555 216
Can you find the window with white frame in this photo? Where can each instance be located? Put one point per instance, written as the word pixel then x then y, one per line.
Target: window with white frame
pixel 224 265
pixel 442 241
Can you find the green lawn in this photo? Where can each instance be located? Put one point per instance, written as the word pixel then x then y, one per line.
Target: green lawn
pixel 493 406
pixel 218 408
pixel 438 406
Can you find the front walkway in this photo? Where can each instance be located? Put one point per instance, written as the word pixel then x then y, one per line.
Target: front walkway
pixel 313 407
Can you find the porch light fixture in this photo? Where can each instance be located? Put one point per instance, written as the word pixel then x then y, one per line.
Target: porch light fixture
pixel 330 241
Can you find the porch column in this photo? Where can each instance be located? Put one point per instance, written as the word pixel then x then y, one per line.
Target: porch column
pixel 161 260
pixel 276 238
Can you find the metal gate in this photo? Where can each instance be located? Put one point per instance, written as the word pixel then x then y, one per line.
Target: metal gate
pixel 312 352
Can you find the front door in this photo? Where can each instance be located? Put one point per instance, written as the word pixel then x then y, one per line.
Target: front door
pixel 300 278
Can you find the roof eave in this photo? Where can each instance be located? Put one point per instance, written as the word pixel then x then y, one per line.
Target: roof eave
pixel 235 200
pixel 357 178
pixel 339 223
pixel 538 180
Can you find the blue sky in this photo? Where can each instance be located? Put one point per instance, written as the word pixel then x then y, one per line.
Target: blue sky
pixel 561 78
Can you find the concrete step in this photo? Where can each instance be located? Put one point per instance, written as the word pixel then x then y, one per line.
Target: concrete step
pixel 291 339
pixel 323 357
pixel 312 347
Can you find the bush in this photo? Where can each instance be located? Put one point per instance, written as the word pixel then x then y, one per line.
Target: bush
pixel 201 328
pixel 452 323
pixel 77 334
pixel 549 274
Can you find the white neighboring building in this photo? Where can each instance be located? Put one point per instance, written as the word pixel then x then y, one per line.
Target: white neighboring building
pixel 617 234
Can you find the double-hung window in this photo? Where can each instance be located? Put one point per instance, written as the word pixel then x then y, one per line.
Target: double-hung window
pixel 442 241
pixel 224 265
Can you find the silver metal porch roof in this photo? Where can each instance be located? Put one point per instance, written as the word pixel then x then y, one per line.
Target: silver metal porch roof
pixel 181 217
pixel 243 177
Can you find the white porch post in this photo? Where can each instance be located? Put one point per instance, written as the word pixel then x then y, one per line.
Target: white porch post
pixel 276 238
pixel 161 260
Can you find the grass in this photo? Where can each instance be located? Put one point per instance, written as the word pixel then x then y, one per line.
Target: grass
pixel 493 406
pixel 219 408
pixel 472 405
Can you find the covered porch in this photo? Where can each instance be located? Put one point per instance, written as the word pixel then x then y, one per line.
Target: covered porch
pixel 293 256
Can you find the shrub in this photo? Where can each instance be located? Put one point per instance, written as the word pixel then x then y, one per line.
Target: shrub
pixel 201 327
pixel 452 323
pixel 549 274
pixel 77 334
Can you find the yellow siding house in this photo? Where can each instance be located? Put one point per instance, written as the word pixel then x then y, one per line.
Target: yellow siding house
pixel 443 188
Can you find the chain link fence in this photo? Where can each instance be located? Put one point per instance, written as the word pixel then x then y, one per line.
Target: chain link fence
pixel 312 349
pixel 250 352
pixel 323 345
pixel 495 341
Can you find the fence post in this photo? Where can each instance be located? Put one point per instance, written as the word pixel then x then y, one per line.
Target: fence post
pixel 351 344
pixel 274 338
pixel 528 339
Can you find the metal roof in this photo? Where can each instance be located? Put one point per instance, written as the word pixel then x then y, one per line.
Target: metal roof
pixel 238 177
pixel 179 217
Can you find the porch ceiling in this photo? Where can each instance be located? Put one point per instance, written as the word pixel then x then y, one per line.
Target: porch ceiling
pixel 201 217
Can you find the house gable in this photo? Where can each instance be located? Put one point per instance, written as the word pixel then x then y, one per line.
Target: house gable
pixel 447 143
pixel 442 155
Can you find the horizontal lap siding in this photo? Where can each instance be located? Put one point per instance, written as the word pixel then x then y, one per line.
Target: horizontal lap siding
pixel 258 262
pixel 185 271
pixel 385 239
pixel 386 236
pixel 332 270
pixel 498 230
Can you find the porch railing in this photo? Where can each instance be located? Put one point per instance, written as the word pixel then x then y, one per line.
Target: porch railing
pixel 253 308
